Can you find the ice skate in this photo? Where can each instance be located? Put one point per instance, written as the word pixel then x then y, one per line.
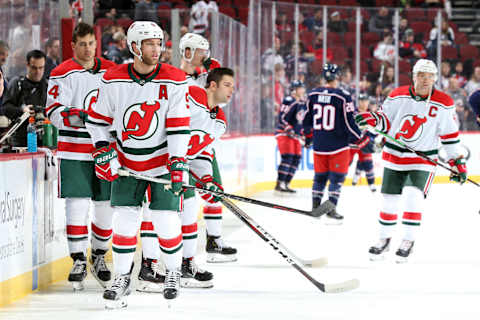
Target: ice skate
pixel 377 252
pixel 172 284
pixel 150 277
pixel 333 218
pixel 404 251
pixel 289 190
pixel 372 187
pixel 194 277
pixel 217 251
pixel 78 273
pixel 115 295
pixel 99 268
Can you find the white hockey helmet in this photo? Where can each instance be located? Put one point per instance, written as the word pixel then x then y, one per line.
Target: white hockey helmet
pixel 142 30
pixel 193 41
pixel 425 65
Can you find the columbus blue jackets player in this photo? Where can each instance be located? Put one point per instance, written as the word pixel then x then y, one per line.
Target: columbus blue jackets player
pixel 474 101
pixel 289 133
pixel 330 115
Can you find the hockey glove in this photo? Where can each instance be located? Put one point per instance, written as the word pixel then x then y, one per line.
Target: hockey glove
pixel 74 117
pixel 106 163
pixel 364 119
pixel 365 144
pixel 458 165
pixel 177 167
pixel 206 182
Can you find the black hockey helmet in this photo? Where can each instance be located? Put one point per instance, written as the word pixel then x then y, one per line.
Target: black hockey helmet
pixel 330 71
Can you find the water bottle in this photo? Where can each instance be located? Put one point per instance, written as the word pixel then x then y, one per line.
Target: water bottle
pixel 47 133
pixel 31 135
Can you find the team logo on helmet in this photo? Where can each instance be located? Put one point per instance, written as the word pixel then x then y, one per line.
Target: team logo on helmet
pixel 140 121
pixel 411 128
pixel 90 99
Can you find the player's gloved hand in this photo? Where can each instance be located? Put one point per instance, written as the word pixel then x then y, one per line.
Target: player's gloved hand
pixel 365 119
pixel 206 182
pixel 458 165
pixel 177 167
pixel 74 117
pixel 106 162
pixel 365 144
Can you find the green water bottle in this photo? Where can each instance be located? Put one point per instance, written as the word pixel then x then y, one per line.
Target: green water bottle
pixel 47 134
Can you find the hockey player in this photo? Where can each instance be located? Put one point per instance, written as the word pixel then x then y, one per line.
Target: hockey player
pixel 196 63
pixel 330 115
pixel 208 124
pixel 289 136
pixel 146 104
pixel 365 160
pixel 72 91
pixel 421 117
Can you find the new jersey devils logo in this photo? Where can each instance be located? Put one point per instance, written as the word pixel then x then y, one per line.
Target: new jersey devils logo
pixel 90 99
pixel 140 121
pixel 411 127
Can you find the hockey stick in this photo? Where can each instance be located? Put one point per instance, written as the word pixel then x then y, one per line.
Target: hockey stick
pixel 420 154
pixel 324 208
pixel 286 254
pixel 15 126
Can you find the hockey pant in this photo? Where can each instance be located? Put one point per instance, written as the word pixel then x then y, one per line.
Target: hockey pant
pixel 290 151
pixel 332 168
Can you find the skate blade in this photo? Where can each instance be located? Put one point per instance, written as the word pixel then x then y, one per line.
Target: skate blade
pixel 192 283
pixel 77 285
pixel 401 260
pixel 116 304
pixel 147 286
pixel 283 193
pixel 377 257
pixel 221 258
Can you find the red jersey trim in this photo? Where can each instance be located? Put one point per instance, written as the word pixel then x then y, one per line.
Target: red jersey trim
pixel 450 136
pixel 149 164
pixel 405 160
pixel 99 116
pixel 177 122
pixel 75 147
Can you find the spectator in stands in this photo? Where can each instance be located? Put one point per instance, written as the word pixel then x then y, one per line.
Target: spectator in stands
pixel 199 16
pixel 266 105
pixel 303 61
pixel 183 31
pixel 455 92
pixel 315 24
pixel 385 50
pixel 459 75
pixel 280 82
pixel 271 58
pixel 446 72
pixel 317 48
pixel 145 11
pixel 447 38
pixel 465 116
pixel 346 81
pixel 52 49
pixel 381 23
pixel 402 27
pixel 283 24
pixel 411 50
pixel 27 94
pixel 3 79
pixel 336 24
pixel 474 83
pixel 118 51
pixel 387 83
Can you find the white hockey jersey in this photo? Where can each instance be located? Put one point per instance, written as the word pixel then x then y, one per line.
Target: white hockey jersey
pixel 200 77
pixel 420 126
pixel 71 85
pixel 149 115
pixel 206 127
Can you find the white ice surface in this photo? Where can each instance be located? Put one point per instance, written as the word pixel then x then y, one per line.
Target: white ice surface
pixel 441 281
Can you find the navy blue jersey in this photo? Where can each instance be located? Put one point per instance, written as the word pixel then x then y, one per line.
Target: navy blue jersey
pixel 330 115
pixel 290 116
pixel 474 101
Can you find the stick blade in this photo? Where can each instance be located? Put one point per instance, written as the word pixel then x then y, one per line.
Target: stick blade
pixel 322 209
pixel 317 263
pixel 342 286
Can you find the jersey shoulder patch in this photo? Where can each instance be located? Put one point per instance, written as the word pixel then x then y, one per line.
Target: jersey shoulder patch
pixel 65 67
pixel 400 91
pixel 117 72
pixel 169 72
pixel 107 64
pixel 199 95
pixel 442 98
